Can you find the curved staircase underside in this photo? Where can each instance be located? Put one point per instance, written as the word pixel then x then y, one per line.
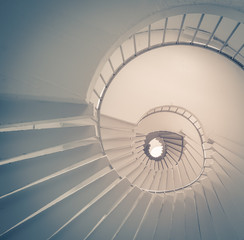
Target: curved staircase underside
pixel 68 170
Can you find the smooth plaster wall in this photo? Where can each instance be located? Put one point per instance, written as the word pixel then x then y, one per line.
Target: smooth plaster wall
pixel 203 82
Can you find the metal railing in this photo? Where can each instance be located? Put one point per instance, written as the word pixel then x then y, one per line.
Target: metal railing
pixel 199 129
pixel 211 42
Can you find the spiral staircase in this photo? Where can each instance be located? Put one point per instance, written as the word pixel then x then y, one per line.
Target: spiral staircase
pixel 75 171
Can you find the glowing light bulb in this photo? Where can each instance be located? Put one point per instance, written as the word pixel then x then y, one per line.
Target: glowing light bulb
pixel 156 151
pixel 156 148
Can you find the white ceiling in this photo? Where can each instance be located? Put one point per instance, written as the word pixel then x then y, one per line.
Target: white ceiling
pixel 53 50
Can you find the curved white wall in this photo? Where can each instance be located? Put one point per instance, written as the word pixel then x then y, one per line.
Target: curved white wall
pixel 206 83
pixel 51 50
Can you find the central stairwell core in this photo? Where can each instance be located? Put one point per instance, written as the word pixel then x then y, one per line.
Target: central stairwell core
pixel 163 152
pixel 158 144
pixel 156 148
pixel 166 150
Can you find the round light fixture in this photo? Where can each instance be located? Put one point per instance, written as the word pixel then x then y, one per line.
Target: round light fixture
pixel 156 148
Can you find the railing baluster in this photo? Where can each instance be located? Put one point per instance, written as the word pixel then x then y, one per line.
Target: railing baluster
pixel 111 65
pixel 165 29
pixel 101 76
pixel 215 29
pixel 122 54
pixel 230 36
pixel 149 35
pixel 238 51
pixel 94 90
pixel 134 41
pixel 198 26
pixel 181 27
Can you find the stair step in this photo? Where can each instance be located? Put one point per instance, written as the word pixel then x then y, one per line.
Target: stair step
pixel 140 175
pixel 183 174
pixel 126 231
pixel 22 173
pixel 119 152
pixel 191 216
pixel 60 212
pixel 23 203
pixel 113 133
pixel 110 121
pixel 149 223
pixel 204 215
pixel 122 164
pixel 21 142
pixel 48 124
pixel 231 210
pixel 110 144
pixel 23 110
pixel 178 218
pixel 108 227
pixel 84 220
pixel 221 224
pixel 165 218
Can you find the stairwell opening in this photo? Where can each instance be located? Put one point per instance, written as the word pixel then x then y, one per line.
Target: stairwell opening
pixel 164 159
pixel 156 148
